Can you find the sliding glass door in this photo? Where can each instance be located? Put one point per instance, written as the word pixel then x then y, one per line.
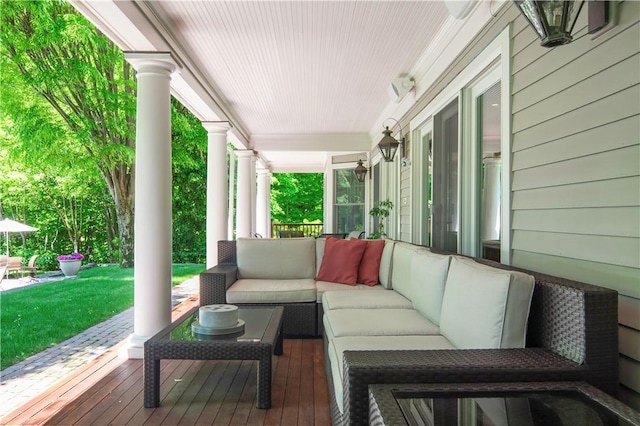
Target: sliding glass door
pixel 445 212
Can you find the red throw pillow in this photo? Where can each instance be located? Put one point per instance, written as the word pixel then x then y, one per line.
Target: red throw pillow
pixel 341 261
pixel 370 263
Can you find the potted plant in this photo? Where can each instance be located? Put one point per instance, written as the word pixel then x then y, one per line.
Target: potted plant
pixel 70 264
pixel 381 211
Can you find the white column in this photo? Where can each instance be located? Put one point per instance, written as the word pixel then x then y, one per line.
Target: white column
pixel 232 181
pixel 263 209
pixel 217 197
pixel 243 198
pixel 254 194
pixel 152 224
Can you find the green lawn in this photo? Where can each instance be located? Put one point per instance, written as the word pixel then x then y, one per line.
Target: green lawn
pixel 35 318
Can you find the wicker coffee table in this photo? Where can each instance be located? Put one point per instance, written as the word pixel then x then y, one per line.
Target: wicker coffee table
pixel 261 339
pixel 533 403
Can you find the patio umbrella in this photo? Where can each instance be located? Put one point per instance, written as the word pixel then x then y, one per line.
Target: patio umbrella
pixel 11 226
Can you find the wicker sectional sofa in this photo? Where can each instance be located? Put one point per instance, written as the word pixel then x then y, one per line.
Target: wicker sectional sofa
pixel 433 318
pixel 256 271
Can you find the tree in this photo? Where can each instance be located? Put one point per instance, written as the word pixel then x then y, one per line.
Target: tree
pixel 189 186
pixel 85 78
pixel 297 197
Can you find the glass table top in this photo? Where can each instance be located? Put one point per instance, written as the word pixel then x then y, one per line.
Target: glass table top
pixel 548 408
pixel 256 322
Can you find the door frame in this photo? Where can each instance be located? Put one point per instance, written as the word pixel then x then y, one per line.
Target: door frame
pixel 499 52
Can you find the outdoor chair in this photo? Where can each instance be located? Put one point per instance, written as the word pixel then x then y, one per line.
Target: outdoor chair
pixel 356 234
pixel 31 266
pixel 290 234
pixel 339 235
pixel 15 264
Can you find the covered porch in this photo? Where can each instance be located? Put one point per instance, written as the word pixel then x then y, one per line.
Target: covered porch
pixel 310 86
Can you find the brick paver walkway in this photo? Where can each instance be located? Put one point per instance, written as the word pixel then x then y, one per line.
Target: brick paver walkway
pixel 27 379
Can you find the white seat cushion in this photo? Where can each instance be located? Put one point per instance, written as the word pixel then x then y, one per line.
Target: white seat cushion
pixel 364 299
pixel 325 286
pixel 272 291
pixel 376 322
pixel 338 345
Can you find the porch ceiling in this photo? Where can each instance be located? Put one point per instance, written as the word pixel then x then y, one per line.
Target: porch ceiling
pixel 296 79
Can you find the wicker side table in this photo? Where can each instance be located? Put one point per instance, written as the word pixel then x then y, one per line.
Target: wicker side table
pixel 261 339
pixel 531 403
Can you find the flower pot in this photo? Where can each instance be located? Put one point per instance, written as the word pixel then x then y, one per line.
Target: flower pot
pixel 70 268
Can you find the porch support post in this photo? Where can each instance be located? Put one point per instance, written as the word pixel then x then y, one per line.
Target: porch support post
pixel 263 213
pixel 243 199
pixel 217 198
pixel 152 223
pixel 254 193
pixel 232 181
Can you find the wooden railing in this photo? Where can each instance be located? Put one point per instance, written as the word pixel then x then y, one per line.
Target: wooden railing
pixel 289 230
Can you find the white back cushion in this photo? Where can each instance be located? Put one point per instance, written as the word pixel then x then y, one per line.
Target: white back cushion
pixel 521 288
pixel 320 243
pixel 385 264
pixel 479 310
pixel 401 268
pixel 429 275
pixel 275 258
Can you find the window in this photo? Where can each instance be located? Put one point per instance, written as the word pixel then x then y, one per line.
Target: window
pixel 348 214
pixel 376 194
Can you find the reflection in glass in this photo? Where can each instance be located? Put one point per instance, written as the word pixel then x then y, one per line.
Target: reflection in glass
pixel 445 179
pixel 553 408
pixel 489 120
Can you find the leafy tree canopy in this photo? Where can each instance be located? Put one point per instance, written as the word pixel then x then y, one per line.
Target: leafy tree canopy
pixel 297 197
pixel 67 109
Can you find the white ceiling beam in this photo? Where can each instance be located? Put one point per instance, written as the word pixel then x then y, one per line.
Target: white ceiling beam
pixel 312 142
pixel 112 21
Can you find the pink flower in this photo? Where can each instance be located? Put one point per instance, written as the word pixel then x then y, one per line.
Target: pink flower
pixel 73 256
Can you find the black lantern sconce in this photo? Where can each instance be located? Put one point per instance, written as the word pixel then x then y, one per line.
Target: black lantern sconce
pixel 389 145
pixel 554 20
pixel 360 171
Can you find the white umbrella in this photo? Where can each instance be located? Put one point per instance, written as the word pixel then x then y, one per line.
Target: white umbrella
pixel 7 226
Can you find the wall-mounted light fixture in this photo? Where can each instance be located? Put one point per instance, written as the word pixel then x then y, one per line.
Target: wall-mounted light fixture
pixel 553 21
pixel 389 145
pixel 360 171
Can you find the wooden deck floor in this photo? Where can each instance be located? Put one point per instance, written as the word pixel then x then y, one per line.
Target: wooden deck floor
pixel 110 391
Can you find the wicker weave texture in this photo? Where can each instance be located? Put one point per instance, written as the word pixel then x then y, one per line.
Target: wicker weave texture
pixel 319 319
pixel 227 252
pixel 214 283
pixel 299 319
pixel 363 368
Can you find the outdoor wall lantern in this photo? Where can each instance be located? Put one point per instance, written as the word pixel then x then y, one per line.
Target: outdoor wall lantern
pixel 360 171
pixel 389 145
pixel 553 20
